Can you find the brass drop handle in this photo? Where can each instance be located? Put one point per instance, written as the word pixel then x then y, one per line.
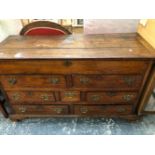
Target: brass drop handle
pixel 39 108
pixel 84 80
pixel 70 94
pixel 128 80
pixel 83 110
pixel 127 97
pixel 67 63
pixel 16 96
pixel 45 97
pixel 111 94
pixel 22 109
pixel 121 109
pixel 54 80
pixel 12 81
pixel 58 110
pixel 96 97
pixel 30 93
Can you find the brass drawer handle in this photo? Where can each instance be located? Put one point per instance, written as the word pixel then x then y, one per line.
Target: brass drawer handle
pixel 95 97
pixel 16 96
pixel 84 80
pixel 58 110
pixel 129 80
pixel 67 63
pixel 30 93
pixel 22 109
pixel 39 108
pixel 12 81
pixel 111 94
pixel 83 110
pixel 127 97
pixel 70 94
pixel 45 97
pixel 121 109
pixel 54 80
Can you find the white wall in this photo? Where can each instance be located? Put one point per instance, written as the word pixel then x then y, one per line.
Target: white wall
pixel 9 27
pixel 101 26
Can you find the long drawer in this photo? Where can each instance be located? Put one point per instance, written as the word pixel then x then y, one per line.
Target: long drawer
pixel 104 82
pixel 111 97
pixel 41 109
pixel 50 97
pixel 124 82
pixel 32 81
pixel 77 109
pixel 102 109
pixel 73 66
pixel 31 97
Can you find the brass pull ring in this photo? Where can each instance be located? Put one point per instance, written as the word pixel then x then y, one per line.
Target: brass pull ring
pixel 12 81
pixel 58 110
pixel 84 110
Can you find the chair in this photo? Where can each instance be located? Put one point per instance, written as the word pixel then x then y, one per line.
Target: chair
pixel 44 28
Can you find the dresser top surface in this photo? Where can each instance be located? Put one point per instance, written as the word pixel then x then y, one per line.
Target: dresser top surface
pixel 76 46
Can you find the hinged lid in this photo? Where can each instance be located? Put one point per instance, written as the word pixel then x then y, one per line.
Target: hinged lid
pixel 76 46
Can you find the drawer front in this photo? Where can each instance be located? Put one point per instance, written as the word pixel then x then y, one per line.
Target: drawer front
pixel 103 110
pixel 40 109
pixel 33 81
pixel 111 97
pixel 91 66
pixel 127 82
pixel 70 96
pixel 29 97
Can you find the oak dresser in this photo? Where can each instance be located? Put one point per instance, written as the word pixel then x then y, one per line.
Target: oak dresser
pixel 74 75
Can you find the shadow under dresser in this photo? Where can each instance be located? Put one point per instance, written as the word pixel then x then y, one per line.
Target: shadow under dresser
pixel 75 75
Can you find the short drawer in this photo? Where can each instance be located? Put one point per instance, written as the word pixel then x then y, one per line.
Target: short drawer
pixel 69 66
pixel 40 109
pixel 111 97
pixel 32 81
pixel 29 97
pixel 70 96
pixel 103 110
pixel 125 82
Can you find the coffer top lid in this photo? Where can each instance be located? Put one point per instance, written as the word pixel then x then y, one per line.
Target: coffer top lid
pixel 129 45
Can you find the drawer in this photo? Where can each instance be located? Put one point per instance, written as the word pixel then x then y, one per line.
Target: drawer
pixel 111 97
pixel 70 96
pixel 29 97
pixel 33 81
pixel 87 66
pixel 103 110
pixel 126 82
pixel 40 109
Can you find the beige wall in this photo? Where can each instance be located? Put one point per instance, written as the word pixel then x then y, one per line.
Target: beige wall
pixel 9 27
pixel 148 31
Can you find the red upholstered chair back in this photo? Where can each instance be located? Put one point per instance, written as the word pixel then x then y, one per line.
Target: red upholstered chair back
pixel 43 28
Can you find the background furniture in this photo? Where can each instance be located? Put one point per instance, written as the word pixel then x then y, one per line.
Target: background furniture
pixel 75 75
pixel 43 28
pixel 73 25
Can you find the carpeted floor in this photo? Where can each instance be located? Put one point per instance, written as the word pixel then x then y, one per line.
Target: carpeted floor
pixel 77 126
